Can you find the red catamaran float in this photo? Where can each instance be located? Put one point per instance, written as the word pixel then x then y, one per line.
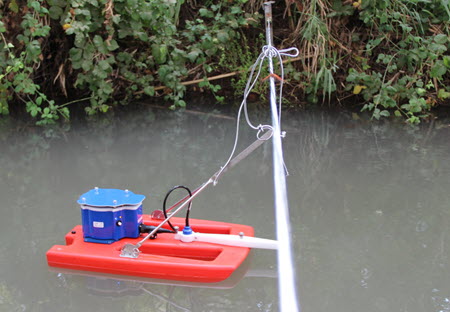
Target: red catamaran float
pixel 164 257
pixel 117 238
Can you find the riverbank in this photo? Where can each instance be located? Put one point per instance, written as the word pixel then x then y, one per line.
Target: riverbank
pixel 390 57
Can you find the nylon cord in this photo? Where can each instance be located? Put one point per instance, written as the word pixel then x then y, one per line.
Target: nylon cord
pixel 267 52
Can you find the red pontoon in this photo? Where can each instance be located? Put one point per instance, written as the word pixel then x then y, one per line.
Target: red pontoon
pixel 164 257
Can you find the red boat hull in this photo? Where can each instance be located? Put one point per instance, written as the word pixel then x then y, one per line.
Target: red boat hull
pixel 161 258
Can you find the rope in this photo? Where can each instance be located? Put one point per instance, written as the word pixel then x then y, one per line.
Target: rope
pixel 267 52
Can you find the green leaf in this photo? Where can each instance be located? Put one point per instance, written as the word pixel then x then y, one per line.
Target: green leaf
pixel 389 102
pixel 34 49
pixel 106 88
pixel 75 54
pixel 149 91
pixel 421 91
pixel 124 57
pixel 223 36
pixel 215 88
pixel 13 6
pixel 35 5
pixel 100 44
pixel 376 113
pixel 192 56
pixel 2 27
pixel 84 12
pixel 55 12
pixel 100 73
pixel 437 48
pixel 34 112
pixel 391 89
pixel 374 43
pixel 104 108
pixel 235 10
pixel 413 120
pixel 112 45
pixel 65 112
pixel 415 105
pixel 443 94
pixel 32 108
pixel 206 13
pixel 86 65
pixel 438 70
pixel 440 38
pixel 446 60
pixel 159 53
pixel 163 71
pixel 422 53
pixel 203 83
pixel 104 65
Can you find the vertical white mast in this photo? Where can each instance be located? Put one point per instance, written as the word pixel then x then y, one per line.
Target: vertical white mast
pixel 286 275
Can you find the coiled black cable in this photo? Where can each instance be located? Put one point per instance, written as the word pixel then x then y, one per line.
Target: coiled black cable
pixel 188 209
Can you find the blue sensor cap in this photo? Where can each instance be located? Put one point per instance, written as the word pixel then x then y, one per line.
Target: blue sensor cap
pixel 187 230
pixel 99 197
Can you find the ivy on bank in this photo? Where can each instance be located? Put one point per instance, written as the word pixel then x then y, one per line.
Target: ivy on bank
pixel 115 50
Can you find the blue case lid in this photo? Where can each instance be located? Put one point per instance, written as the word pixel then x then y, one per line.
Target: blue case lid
pixel 99 197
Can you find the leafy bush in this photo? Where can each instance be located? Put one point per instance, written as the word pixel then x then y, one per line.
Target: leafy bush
pixel 18 64
pixel 117 50
pixel 393 54
pixel 409 47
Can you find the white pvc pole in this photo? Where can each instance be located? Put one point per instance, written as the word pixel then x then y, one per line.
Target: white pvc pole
pixel 286 276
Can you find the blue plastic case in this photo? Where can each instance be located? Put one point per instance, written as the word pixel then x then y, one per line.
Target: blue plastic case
pixel 109 215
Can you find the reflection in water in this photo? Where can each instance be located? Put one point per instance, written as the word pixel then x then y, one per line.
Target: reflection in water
pixel 369 209
pixel 163 291
pixel 113 288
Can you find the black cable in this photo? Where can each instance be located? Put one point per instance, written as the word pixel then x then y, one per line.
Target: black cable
pixel 189 206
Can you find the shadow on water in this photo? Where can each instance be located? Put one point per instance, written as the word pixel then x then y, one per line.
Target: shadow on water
pixel 368 201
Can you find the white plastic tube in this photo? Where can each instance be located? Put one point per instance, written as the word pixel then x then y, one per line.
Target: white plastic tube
pixel 229 240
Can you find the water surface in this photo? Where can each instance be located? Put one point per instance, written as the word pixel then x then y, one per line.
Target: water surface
pixel 369 209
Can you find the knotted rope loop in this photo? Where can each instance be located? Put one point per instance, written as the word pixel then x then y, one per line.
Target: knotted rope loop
pixel 262 129
pixel 287 52
pixel 270 51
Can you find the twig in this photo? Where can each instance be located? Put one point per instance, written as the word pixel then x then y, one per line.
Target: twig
pixel 191 82
pixel 222 76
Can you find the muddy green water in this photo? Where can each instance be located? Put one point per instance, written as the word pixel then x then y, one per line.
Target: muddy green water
pixel 369 208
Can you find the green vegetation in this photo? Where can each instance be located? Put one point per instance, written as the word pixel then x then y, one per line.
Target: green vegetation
pixel 389 56
pixel 109 52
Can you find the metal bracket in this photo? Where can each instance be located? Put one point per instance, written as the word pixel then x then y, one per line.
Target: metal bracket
pixel 130 251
